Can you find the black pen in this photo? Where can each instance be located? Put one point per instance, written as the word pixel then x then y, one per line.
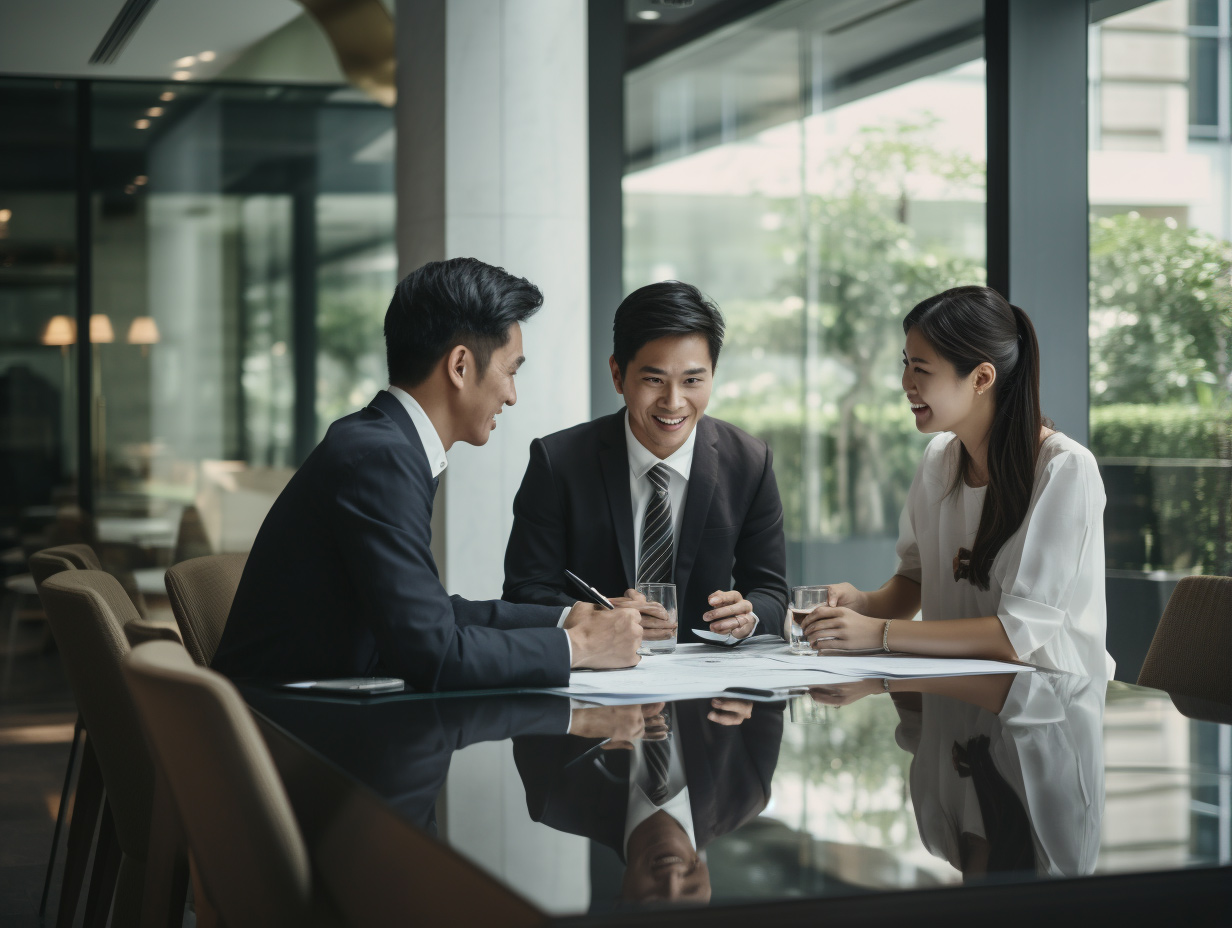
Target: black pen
pixel 589 591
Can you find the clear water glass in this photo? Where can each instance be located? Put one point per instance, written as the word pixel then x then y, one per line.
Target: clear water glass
pixel 804 599
pixel 665 595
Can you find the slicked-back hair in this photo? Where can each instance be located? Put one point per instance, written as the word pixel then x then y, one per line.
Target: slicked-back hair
pixel 663 309
pixel 443 304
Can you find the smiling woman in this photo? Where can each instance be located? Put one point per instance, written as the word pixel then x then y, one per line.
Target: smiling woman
pixel 1001 539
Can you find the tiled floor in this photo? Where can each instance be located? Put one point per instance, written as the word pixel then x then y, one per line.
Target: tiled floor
pixel 36 725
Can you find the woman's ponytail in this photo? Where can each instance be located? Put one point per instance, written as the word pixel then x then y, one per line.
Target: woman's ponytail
pixel 969 326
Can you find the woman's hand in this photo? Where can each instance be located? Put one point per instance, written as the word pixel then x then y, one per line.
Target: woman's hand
pixel 842 628
pixel 844 594
pixel 844 694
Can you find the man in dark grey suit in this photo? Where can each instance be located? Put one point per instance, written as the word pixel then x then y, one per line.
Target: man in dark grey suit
pixel 658 492
pixel 341 581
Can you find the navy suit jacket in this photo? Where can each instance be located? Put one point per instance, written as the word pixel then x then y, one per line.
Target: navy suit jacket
pixel 341 581
pixel 574 510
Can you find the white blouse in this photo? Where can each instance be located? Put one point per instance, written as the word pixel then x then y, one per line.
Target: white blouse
pixel 1046 584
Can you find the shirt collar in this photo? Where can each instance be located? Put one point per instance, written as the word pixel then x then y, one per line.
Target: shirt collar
pixel 641 459
pixel 433 447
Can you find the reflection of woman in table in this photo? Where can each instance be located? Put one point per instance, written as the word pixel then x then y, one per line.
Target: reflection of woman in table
pixel 1002 533
pixel 1007 773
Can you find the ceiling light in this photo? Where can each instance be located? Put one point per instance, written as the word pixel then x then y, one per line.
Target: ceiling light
pixel 181 75
pixel 142 124
pixel 186 62
pixel 648 15
pixel 206 56
pixel 154 111
pixel 141 180
pixel 166 96
pixel 6 215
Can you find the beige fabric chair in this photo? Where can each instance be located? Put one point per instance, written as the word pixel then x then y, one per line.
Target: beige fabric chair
pixel 49 561
pixel 88 610
pixel 241 831
pixel 201 592
pixel 1191 653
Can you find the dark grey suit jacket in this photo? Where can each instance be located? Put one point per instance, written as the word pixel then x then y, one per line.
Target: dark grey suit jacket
pixel 574 511
pixel 341 580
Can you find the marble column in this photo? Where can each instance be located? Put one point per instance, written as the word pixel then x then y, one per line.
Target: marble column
pixel 492 163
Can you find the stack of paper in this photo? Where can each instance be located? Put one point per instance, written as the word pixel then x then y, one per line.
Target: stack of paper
pixel 757 669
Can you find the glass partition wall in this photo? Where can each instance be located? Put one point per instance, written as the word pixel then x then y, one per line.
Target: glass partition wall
pixel 817 172
pixel 241 250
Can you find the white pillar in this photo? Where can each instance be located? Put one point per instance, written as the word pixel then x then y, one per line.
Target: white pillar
pixel 492 164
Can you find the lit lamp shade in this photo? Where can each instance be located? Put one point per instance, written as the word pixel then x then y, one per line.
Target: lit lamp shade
pixel 143 331
pixel 101 332
pixel 61 331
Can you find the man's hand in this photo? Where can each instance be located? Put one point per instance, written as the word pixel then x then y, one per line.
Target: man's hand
pixel 622 724
pixel 656 626
pixel 731 614
pixel 602 638
pixel 729 711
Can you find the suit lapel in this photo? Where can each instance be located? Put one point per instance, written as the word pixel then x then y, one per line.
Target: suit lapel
pixel 614 461
pixel 702 479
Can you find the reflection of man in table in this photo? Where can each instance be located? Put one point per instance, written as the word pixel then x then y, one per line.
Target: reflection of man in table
pixel 702 770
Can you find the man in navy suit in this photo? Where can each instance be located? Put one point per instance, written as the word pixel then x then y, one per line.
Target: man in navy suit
pixel 659 492
pixel 341 581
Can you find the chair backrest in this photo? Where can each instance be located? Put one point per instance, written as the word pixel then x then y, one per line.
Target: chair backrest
pixel 1191 653
pixel 51 561
pixel 201 592
pixel 240 828
pixel 87 611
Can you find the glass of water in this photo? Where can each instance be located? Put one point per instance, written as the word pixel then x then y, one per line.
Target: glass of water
pixel 804 599
pixel 665 595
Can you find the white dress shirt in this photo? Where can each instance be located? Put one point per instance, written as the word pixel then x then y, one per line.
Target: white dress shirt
pixel 640 806
pixel 434 448
pixel 1046 584
pixel 679 464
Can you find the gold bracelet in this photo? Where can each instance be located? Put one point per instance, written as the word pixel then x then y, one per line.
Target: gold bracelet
pixel 885 636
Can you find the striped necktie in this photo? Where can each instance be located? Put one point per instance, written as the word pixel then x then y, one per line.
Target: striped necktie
pixel 655 563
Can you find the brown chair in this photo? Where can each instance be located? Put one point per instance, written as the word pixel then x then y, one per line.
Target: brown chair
pixel 88 610
pixel 201 592
pixel 89 795
pixel 1191 653
pixel 249 853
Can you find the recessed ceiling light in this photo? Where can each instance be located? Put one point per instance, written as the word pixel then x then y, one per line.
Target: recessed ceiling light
pixel 648 15
pixel 186 62
pixel 181 75
pixel 166 96
pixel 141 180
pixel 142 124
pixel 206 56
pixel 154 111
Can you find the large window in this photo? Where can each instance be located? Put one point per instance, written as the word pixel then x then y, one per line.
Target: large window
pixel 242 253
pixel 816 172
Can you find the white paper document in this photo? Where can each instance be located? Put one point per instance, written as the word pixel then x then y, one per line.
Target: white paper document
pixel 696 671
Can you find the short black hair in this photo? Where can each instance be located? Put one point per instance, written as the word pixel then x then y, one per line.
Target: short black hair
pixel 659 310
pixel 443 304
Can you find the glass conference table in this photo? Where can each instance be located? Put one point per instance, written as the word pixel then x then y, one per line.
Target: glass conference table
pixel 1028 794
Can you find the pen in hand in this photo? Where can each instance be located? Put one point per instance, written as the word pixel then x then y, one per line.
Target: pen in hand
pixel 588 591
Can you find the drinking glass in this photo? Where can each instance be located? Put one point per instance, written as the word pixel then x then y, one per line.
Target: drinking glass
pixel 665 595
pixel 804 599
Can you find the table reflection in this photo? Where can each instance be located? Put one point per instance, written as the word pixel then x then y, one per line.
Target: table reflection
pixel 702 770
